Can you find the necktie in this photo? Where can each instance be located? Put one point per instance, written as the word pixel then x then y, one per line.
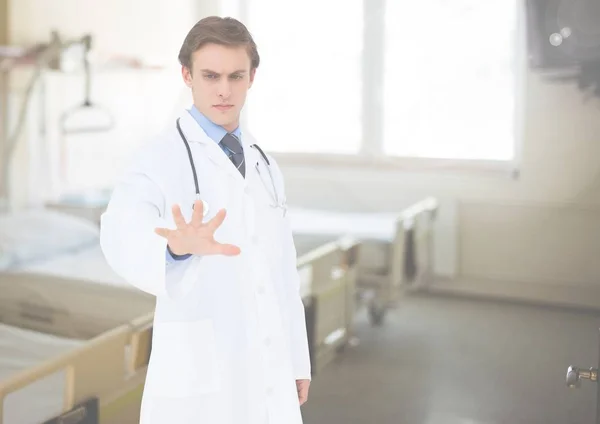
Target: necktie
pixel 235 152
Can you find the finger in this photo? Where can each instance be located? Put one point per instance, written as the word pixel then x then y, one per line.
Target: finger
pixel 302 398
pixel 197 214
pixel 163 232
pixel 178 217
pixel 217 220
pixel 228 249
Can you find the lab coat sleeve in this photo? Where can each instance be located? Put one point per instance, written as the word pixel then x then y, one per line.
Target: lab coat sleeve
pixel 128 241
pixel 297 318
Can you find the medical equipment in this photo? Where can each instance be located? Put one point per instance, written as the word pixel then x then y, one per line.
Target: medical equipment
pixel 274 194
pixel 57 54
pixel 98 118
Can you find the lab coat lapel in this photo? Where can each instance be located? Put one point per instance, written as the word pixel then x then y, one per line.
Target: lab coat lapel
pixel 252 157
pixel 195 134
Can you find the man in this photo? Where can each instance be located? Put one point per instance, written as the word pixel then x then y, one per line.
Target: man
pixel 229 336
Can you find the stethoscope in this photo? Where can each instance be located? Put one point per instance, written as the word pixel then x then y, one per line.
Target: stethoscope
pixel 274 195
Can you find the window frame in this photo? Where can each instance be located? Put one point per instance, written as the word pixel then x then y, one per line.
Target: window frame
pixel 371 153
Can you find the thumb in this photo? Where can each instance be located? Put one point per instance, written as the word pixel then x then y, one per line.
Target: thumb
pixel 163 232
pixel 228 249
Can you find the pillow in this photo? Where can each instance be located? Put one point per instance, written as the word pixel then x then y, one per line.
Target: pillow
pixel 40 233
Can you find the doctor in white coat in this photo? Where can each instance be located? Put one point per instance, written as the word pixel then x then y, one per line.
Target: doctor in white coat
pixel 229 339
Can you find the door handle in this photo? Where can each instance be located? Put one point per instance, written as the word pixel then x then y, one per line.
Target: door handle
pixel 575 375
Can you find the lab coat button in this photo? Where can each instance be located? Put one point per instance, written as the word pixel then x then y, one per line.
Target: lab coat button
pixel 255 239
pixel 261 289
pixel 267 341
pixel 269 391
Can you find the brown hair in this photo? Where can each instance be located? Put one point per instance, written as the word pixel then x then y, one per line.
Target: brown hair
pixel 217 30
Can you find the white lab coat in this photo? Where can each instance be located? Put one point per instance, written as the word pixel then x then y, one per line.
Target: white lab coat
pixel 229 336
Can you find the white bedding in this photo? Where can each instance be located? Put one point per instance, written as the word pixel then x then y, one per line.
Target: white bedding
pixel 87 264
pixel 22 349
pixel 370 226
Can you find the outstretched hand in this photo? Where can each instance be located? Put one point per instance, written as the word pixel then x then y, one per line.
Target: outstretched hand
pixel 196 237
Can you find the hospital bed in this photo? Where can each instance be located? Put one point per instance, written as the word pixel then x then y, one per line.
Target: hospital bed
pixel 74 338
pixel 396 249
pixel 71 350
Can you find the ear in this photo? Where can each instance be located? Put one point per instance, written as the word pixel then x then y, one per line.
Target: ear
pixel 187 76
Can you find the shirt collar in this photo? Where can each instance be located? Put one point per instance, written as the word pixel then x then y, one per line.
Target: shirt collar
pixel 212 130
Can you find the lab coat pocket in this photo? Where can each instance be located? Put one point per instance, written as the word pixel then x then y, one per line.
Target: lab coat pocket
pixel 184 359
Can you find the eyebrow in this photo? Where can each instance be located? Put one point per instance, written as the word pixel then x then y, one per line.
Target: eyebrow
pixel 239 71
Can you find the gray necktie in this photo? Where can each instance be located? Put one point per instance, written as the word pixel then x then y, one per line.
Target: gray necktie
pixel 235 152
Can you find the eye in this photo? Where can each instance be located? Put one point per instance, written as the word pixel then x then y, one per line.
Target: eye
pixel 237 77
pixel 210 76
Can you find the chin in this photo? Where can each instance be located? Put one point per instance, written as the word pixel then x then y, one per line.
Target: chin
pixel 223 119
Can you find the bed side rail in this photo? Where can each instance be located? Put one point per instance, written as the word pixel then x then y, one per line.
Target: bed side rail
pixel 95 370
pixel 141 344
pixel 412 249
pixel 329 271
pixel 408 263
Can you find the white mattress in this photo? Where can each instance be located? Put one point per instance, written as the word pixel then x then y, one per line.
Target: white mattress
pixel 373 226
pixel 21 349
pixel 376 230
pixel 86 264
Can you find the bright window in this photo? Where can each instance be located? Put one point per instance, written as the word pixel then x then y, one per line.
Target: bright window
pixel 449 88
pixel 307 93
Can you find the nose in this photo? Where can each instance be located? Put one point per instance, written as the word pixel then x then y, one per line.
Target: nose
pixel 224 88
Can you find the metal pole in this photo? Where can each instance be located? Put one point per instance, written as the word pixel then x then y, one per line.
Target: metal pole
pixel 4 80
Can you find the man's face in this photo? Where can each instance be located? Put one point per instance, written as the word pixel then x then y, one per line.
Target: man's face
pixel 220 79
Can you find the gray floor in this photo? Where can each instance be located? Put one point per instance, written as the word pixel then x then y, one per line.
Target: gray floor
pixel 456 361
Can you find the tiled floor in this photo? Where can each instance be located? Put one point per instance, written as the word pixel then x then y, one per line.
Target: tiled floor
pixel 454 361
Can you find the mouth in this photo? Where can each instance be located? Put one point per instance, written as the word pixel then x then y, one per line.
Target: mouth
pixel 223 108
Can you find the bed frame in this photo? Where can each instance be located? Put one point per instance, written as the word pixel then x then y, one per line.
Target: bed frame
pixel 389 270
pixel 329 306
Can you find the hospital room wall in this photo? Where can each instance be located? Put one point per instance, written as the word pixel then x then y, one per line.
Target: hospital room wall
pixel 538 231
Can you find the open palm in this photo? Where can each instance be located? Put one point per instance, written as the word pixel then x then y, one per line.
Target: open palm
pixel 196 237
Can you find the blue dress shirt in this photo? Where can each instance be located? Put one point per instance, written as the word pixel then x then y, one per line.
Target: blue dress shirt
pixel 214 132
